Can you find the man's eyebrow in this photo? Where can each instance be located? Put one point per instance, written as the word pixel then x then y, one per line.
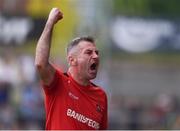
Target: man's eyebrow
pixel 88 49
pixel 91 50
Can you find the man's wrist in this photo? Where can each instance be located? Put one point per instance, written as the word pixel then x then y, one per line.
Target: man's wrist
pixel 49 24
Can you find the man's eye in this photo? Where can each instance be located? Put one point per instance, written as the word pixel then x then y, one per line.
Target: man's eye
pixel 97 52
pixel 88 52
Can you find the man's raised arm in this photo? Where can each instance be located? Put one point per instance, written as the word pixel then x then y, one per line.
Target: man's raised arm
pixel 45 69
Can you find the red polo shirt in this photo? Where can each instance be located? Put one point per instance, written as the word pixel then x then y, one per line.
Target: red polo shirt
pixel 70 105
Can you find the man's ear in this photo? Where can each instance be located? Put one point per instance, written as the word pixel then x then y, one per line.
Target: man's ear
pixel 72 61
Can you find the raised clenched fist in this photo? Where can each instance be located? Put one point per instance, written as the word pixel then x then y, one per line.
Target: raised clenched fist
pixel 55 15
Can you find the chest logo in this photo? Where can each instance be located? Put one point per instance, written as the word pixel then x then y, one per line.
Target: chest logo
pixel 98 108
pixel 73 96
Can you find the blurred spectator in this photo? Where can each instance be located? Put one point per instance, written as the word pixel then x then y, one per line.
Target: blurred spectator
pixel 9 68
pixel 27 69
pixel 6 111
pixel 21 101
pixel 31 111
pixel 5 90
pixel 176 124
pixel 133 107
pixel 164 110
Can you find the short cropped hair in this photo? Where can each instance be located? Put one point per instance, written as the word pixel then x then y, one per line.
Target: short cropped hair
pixel 77 40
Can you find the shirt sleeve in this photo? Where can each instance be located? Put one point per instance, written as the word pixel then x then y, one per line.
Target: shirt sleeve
pixel 54 84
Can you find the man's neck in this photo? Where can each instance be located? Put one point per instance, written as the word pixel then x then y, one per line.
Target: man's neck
pixel 78 78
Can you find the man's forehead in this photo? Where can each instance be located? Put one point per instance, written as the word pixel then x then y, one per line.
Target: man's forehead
pixel 83 46
pixel 86 45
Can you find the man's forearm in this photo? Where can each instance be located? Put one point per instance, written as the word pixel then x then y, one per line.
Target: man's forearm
pixel 43 46
pixel 45 70
pixel 44 43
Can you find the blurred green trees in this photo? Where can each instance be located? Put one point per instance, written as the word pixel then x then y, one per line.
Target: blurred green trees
pixel 152 8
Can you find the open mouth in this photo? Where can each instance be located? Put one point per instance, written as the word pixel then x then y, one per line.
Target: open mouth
pixel 93 66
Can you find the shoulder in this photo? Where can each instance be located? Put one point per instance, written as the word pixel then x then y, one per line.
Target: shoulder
pixel 99 90
pixel 59 71
pixel 57 68
pixel 58 83
pixel 57 78
pixel 101 96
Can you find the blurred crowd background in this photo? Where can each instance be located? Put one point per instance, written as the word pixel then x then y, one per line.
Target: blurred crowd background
pixel 139 42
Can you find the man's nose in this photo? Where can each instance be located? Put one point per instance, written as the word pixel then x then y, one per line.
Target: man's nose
pixel 95 55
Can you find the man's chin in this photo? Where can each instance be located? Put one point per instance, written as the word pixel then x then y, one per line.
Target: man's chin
pixel 92 76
